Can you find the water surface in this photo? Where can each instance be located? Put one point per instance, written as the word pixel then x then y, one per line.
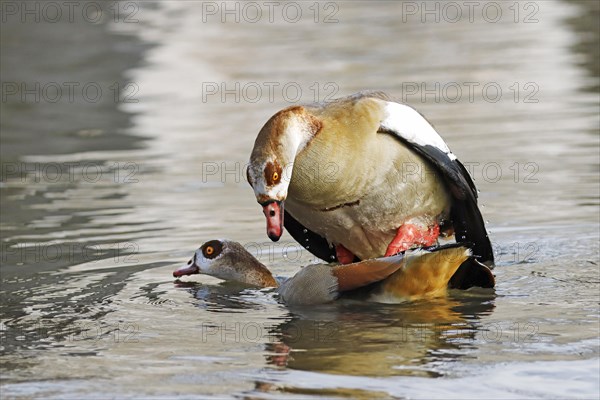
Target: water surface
pixel 89 308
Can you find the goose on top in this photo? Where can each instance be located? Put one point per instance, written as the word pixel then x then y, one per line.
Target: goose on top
pixel 362 177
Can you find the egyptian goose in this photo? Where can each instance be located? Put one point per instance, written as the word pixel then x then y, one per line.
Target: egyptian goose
pixel 363 177
pixel 405 276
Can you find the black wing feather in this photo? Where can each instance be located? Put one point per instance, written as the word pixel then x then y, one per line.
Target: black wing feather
pixel 312 242
pixel 465 215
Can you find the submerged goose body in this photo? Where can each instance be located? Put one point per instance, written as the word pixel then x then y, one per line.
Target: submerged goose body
pixel 413 275
pixel 362 177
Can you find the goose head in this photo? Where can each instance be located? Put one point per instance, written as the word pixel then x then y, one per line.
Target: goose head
pixel 229 261
pixel 271 162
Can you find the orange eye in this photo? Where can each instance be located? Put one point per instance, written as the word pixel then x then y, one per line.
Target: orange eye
pixel 212 249
pixel 275 176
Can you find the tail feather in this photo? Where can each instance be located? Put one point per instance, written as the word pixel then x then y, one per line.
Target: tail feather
pixel 425 274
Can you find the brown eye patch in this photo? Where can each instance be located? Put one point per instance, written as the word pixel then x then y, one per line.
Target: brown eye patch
pixel 212 249
pixel 273 173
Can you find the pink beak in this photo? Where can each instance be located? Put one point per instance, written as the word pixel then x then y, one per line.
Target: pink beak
pixel 189 269
pixel 274 213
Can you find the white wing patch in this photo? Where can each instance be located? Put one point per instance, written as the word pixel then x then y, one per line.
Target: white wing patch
pixel 408 123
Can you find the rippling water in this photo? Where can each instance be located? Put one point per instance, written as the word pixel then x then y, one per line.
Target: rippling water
pixel 101 200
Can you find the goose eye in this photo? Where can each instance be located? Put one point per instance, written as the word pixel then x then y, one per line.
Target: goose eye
pixel 212 249
pixel 272 173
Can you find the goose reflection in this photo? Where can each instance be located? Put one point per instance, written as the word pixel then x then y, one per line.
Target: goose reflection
pixel 362 339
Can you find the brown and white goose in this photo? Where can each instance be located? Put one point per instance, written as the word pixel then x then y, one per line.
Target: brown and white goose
pixel 414 275
pixel 362 177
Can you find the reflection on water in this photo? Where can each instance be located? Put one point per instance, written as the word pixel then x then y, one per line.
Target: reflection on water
pixel 381 342
pixel 352 337
pixel 100 201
